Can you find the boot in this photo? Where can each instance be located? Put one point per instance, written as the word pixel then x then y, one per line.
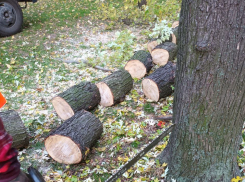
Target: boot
pixel 23 177
pixel 35 175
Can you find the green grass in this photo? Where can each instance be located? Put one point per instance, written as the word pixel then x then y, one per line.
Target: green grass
pixel 148 108
pixel 49 15
pixel 101 177
pixel 23 54
pixel 31 73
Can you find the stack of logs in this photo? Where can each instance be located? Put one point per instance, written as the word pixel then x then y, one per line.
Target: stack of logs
pixel 71 141
pixel 158 84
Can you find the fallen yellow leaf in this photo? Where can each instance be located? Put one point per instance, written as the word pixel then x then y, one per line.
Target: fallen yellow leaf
pixel 21 158
pixel 102 149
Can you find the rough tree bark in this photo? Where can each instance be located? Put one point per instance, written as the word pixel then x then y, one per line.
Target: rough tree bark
pixel 84 95
pixel 139 64
pixel 16 128
pixel 209 95
pixel 73 139
pixel 158 84
pixel 114 87
pixel 163 53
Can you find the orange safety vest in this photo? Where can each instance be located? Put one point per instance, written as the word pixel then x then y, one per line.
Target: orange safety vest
pixel 2 100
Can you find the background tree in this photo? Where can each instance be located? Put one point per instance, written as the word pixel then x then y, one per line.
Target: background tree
pixel 209 104
pixel 141 3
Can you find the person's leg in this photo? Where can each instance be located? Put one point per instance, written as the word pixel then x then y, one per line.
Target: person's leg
pixel 9 164
pixel 21 178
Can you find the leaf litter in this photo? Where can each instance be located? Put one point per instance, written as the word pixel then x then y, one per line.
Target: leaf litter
pixel 128 126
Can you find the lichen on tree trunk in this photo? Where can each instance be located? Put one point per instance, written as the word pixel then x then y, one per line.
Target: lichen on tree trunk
pixel 209 95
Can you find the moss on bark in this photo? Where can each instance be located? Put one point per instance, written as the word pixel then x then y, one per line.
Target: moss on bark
pixel 209 92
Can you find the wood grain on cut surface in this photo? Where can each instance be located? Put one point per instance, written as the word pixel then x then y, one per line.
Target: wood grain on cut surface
pixel 152 44
pixel 84 95
pixel 163 53
pixel 72 140
pixel 105 94
pixel 150 89
pixel 140 64
pixel 158 84
pixel 119 83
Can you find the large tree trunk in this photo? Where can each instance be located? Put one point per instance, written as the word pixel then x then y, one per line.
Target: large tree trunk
pixel 15 127
pixel 209 96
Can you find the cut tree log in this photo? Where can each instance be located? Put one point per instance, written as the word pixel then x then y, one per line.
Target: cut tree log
pixel 163 53
pixel 15 127
pixel 174 35
pixel 158 84
pixel 173 38
pixel 71 141
pixel 140 64
pixel 175 24
pixel 152 44
pixel 114 87
pixel 84 95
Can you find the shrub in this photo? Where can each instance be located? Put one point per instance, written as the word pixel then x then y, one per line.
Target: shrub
pixel 128 10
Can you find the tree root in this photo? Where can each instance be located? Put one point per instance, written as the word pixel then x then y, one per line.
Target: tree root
pixel 164 156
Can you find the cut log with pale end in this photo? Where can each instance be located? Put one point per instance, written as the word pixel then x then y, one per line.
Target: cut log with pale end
pixel 15 127
pixel 71 141
pixel 175 24
pixel 158 84
pixel 174 35
pixel 114 87
pixel 152 44
pixel 173 38
pixel 163 53
pixel 140 64
pixel 84 95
